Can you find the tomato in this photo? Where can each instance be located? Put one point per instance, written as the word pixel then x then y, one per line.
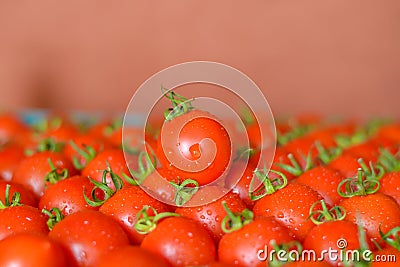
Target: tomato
pixel 194 145
pixel 22 219
pixel 387 257
pixel 26 196
pixel 33 172
pixel 325 236
pixel 210 215
pixel 375 211
pixel 10 128
pixel 181 241
pixel 124 205
pixel 67 195
pixel 87 235
pixel 107 159
pixel 290 206
pixel 129 256
pixel 323 180
pixel 390 185
pixel 82 149
pixel 10 157
pixel 30 250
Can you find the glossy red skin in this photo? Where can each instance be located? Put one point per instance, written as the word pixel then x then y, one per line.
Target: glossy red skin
pixel 290 206
pixel 124 205
pixel 375 210
pixel 240 247
pixel 83 141
pixel 323 180
pixel 32 170
pixel 65 132
pixel 243 185
pixel 10 128
pixel 347 165
pixel 390 185
pixel 22 219
pixel 157 183
pixel 67 195
pixel 31 250
pixel 129 256
pixel 368 151
pixel 383 254
pixel 210 215
pixel 390 131
pixel 326 235
pixel 181 241
pixel 116 161
pixel 10 157
pixel 27 196
pixel 87 235
pixel 193 127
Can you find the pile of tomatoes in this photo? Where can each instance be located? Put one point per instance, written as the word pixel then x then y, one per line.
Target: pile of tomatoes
pixel 68 198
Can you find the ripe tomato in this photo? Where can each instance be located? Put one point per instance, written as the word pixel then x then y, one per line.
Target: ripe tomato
pixel 241 247
pixel 194 145
pixel 390 185
pixel 210 215
pixel 10 128
pixel 33 171
pixel 125 204
pixel 87 235
pixel 129 256
pixel 181 241
pixel 290 206
pixel 31 250
pixel 22 219
pixel 67 195
pixel 10 157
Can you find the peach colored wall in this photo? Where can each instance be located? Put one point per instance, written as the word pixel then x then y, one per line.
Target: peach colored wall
pixel 331 56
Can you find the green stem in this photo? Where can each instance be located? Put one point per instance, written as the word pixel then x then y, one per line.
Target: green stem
pixel 184 192
pixel 88 154
pixel 55 174
pixel 55 216
pixel 234 221
pixel 358 186
pixel 336 213
pixel 180 104
pixel 15 199
pixel 268 186
pixel 145 223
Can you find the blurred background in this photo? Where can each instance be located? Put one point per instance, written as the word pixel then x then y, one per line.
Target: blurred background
pixel 334 57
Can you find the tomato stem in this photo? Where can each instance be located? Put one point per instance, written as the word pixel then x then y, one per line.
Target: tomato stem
pixel 268 186
pixel 392 237
pixel 55 216
pixel 15 199
pixel 287 247
pixel 180 104
pixel 235 220
pixel 88 153
pixel 146 165
pixel 145 223
pixel 55 174
pixel 358 186
pixel 336 213
pixel 184 192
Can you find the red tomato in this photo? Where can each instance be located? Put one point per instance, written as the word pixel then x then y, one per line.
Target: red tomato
pixel 30 250
pixel 196 146
pixel 125 204
pixel 10 157
pixel 290 206
pixel 67 195
pixel 87 236
pixel 22 219
pixel 210 215
pixel 129 256
pixel 32 171
pixel 27 196
pixel 181 241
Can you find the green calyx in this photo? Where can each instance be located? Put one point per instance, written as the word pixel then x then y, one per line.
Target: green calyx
pixel 358 186
pixel 146 165
pixel 392 237
pixel 294 166
pixel 336 213
pixel 55 216
pixel 55 174
pixel 87 153
pixel 15 199
pixel 326 155
pixel 146 223
pixel 284 247
pixel 373 171
pixel 295 132
pixel 103 186
pixel 180 104
pixel 234 221
pixel 46 144
pixel 184 192
pixel 391 162
pixel 268 186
